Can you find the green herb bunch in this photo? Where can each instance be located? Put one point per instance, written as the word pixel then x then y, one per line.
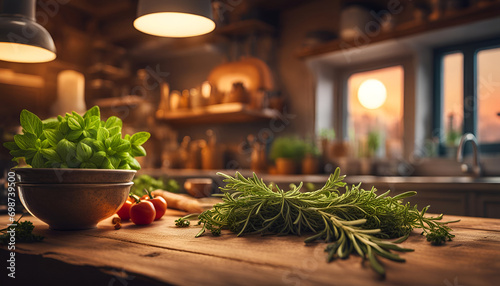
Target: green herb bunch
pixel 142 182
pixel 75 141
pixel 357 221
pixel 23 232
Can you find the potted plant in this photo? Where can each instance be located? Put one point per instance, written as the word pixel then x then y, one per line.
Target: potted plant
pixel 310 162
pixel 287 153
pixel 80 168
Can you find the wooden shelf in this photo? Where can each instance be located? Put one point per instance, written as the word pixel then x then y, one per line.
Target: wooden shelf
pixel 119 101
pixel 245 27
pixel 108 71
pixel 463 17
pixel 219 113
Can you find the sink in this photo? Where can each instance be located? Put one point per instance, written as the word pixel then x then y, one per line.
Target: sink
pixel 447 167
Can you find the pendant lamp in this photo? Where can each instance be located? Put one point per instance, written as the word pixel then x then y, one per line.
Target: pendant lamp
pixel 22 39
pixel 174 18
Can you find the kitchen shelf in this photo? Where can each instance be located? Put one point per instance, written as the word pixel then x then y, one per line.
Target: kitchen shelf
pixel 109 71
pixel 462 17
pixel 218 113
pixel 119 101
pixel 245 27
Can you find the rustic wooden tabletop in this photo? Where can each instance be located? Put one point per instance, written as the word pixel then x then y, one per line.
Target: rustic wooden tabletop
pixel 161 254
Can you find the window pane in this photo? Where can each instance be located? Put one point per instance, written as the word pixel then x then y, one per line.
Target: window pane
pixel 372 115
pixel 453 98
pixel 488 96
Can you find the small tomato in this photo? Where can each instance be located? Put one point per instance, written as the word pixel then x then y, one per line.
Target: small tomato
pixel 160 206
pixel 124 211
pixel 159 203
pixel 142 213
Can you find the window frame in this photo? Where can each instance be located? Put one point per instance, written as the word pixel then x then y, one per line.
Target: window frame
pixel 470 88
pixel 341 101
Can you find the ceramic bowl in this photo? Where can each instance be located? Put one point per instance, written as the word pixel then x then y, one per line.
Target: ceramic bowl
pixel 73 206
pixel 73 176
pixel 199 188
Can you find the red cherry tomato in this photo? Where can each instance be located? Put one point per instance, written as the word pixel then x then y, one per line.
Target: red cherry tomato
pixel 160 206
pixel 124 211
pixel 142 213
pixel 159 202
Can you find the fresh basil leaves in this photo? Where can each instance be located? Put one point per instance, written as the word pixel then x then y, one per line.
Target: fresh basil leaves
pixel 76 141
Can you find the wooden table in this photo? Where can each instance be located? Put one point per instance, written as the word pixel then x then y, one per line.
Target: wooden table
pixel 161 254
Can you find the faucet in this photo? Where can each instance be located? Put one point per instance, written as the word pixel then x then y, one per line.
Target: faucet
pixel 476 168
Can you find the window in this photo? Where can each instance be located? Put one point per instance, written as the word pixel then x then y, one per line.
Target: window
pixel 375 112
pixel 468 94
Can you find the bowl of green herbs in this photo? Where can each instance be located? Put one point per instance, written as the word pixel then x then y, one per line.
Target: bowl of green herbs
pixel 78 168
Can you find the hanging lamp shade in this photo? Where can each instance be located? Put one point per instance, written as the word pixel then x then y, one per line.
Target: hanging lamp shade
pixel 22 39
pixel 174 18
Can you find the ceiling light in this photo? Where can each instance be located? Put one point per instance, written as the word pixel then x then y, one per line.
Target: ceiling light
pixel 22 39
pixel 174 18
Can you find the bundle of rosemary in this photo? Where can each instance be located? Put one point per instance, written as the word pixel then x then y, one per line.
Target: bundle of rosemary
pixel 356 221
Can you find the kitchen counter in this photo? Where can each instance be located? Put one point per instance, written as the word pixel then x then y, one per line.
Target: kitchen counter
pixel 161 254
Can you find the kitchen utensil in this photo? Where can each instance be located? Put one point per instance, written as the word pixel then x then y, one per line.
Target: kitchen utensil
pixel 73 206
pixel 199 187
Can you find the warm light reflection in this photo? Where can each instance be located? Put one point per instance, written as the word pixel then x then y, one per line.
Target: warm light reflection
pixel 488 96
pixel 372 94
pixel 225 82
pixel 174 24
pixel 206 89
pixel 21 53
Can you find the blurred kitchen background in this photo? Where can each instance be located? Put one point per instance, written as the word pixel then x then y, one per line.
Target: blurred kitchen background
pixel 290 89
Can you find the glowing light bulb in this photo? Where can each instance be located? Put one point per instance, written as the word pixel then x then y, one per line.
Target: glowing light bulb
pixel 173 24
pixel 372 94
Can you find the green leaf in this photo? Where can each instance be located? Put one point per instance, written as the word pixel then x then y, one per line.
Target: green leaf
pixel 115 162
pixel 125 166
pixel 73 135
pixel 94 111
pixel 25 141
pixel 134 164
pixel 102 134
pixel 106 164
pixel 114 130
pixel 11 146
pixel 138 151
pixel 38 161
pixel 79 118
pixel 124 146
pixel 53 136
pixel 31 123
pixel 74 124
pixel 124 156
pixel 88 165
pixel 139 138
pixel 113 121
pixel 98 145
pixel 19 153
pixel 63 127
pixel 98 158
pixel 50 123
pixel 51 155
pixel 66 150
pixel 83 152
pixel 113 142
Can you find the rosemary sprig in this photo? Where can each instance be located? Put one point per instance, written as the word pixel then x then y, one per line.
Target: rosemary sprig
pixel 357 221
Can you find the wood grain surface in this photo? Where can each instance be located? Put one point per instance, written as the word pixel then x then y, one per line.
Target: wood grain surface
pixel 162 254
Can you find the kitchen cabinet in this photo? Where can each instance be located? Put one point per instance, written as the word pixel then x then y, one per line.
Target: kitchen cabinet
pixel 488 204
pixel 161 254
